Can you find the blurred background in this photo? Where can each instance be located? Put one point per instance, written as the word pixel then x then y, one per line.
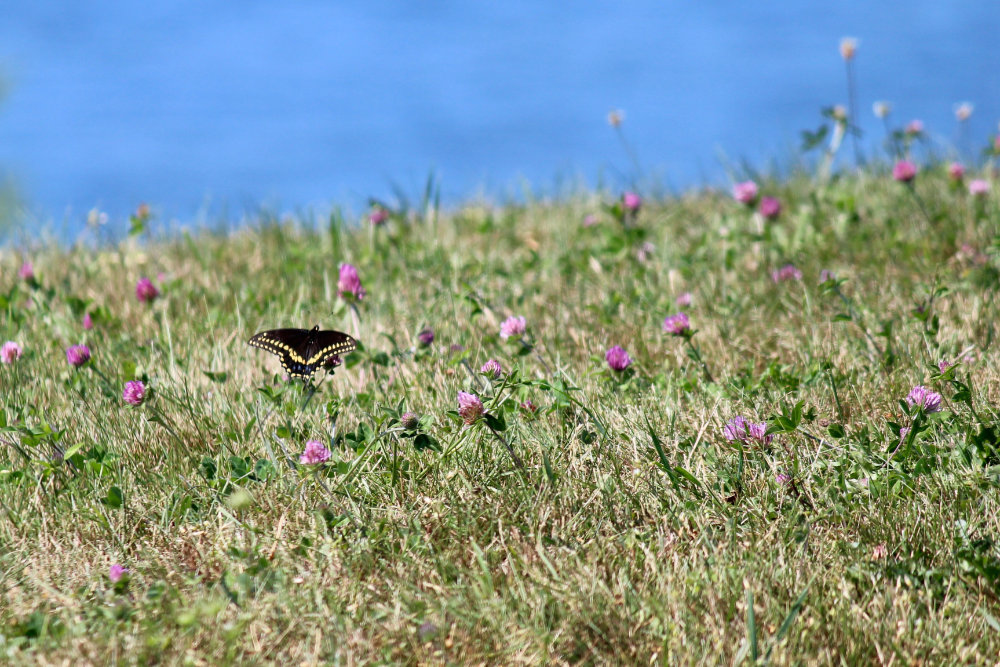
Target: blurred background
pixel 207 109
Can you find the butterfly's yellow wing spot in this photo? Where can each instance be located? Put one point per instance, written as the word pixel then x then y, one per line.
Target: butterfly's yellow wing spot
pixel 330 350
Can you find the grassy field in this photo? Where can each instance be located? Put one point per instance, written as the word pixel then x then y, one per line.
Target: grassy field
pixel 639 528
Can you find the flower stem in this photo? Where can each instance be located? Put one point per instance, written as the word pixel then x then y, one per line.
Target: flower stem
pixel 513 454
pixel 697 356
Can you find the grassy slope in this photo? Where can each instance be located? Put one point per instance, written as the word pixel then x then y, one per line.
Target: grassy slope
pixel 427 556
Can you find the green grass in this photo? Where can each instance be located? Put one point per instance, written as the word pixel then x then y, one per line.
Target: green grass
pixel 636 534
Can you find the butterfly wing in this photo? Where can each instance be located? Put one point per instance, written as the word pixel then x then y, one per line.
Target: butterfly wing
pixel 283 342
pixel 325 344
pixel 301 351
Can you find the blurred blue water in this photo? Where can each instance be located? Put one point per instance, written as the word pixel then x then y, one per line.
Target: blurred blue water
pixel 207 107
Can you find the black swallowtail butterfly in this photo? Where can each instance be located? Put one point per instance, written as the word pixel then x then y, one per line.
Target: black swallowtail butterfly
pixel 302 351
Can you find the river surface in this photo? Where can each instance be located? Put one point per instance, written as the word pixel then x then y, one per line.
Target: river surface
pixel 207 109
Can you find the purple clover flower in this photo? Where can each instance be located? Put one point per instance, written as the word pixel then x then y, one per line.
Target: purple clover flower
pixel 677 325
pixel 979 187
pixel 77 355
pixel 787 272
pixel 923 397
pixel 10 352
pixel 618 358
pixel 146 291
pixel 770 208
pixel 425 337
pixel 513 327
pixel 378 216
pixel 27 271
pixel 745 192
pixel 134 392
pixel 350 283
pixel 740 429
pixel 470 407
pixel 904 171
pixel 492 368
pixel 116 572
pixel 315 452
pixel 631 201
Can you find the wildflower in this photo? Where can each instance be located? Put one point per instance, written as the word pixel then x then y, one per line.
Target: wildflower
pixel 10 352
pixel 881 109
pixel 922 397
pixel 904 171
pixel 615 117
pixel 735 429
pixel 145 290
pixel 979 187
pixel 470 408
pixel 27 271
pixel 787 272
pixel 96 218
pixel 745 192
pixel 315 452
pixel 528 406
pixel 677 325
pixel 783 479
pixel 645 251
pixel 683 299
pixel 962 111
pixel 410 421
pixel 956 170
pixel 880 551
pixel 848 47
pixel 378 216
pixel 116 572
pixel 825 275
pixel 839 113
pixel 745 431
pixel 631 201
pixel 426 337
pixel 512 327
pixel 332 361
pixel 618 358
pixel 350 283
pixel 589 220
pixel 88 322
pixel 142 211
pixel 914 127
pixel 770 208
pixel 134 393
pixel 757 432
pixel 492 368
pixel 77 355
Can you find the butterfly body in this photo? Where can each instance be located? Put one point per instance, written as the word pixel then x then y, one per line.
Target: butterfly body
pixel 302 351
